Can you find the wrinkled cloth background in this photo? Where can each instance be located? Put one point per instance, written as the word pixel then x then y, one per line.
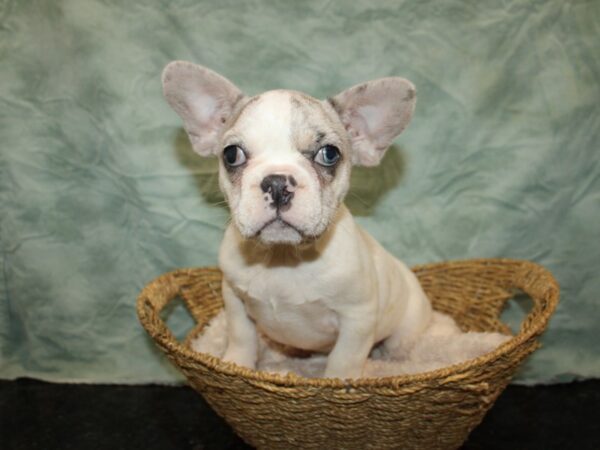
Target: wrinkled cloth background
pixel 100 191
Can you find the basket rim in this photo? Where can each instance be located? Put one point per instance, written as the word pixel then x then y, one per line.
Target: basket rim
pixel 447 374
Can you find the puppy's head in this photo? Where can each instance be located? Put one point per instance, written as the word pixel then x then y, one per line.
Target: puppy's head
pixel 285 157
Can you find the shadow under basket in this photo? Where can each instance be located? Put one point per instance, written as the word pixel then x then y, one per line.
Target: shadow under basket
pixel 432 410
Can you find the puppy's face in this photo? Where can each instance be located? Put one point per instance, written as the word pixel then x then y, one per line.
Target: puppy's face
pixel 285 157
pixel 285 166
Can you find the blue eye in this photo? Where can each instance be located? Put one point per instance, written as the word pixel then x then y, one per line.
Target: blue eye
pixel 327 156
pixel 234 156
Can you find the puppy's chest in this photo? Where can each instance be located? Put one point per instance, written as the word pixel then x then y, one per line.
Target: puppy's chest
pixel 280 290
pixel 289 306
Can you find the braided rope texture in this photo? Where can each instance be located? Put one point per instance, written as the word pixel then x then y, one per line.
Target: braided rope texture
pixel 432 410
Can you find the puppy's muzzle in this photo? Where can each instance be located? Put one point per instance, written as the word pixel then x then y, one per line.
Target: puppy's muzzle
pixel 280 188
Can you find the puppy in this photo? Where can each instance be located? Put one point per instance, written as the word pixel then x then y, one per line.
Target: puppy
pixel 295 264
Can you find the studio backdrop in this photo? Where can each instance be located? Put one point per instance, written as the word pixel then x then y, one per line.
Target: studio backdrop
pixel 100 191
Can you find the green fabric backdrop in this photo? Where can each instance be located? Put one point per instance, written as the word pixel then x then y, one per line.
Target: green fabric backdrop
pixel 100 191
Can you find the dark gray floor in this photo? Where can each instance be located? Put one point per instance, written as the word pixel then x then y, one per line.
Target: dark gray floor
pixel 37 415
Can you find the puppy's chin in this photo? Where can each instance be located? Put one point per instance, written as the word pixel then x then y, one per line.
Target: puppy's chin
pixel 279 232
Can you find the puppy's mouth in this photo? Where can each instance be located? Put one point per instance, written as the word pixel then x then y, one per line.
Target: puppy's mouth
pixel 280 222
pixel 279 231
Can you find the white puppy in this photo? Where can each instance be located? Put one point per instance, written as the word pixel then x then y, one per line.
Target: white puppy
pixel 295 263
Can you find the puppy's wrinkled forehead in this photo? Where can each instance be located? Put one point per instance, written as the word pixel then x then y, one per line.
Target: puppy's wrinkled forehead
pixel 281 120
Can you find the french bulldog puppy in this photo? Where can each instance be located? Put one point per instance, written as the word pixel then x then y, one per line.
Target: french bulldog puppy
pixel 295 264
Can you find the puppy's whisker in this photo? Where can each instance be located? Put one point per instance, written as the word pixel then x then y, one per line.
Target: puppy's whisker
pixel 359 198
pixel 356 196
pixel 221 203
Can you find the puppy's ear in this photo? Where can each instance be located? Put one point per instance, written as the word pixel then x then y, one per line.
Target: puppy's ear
pixel 374 113
pixel 203 99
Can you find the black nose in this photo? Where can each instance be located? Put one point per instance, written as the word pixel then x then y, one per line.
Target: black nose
pixel 276 186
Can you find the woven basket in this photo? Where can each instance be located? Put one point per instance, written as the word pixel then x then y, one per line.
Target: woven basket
pixel 433 410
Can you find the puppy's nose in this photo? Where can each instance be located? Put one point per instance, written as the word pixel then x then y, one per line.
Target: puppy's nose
pixel 276 186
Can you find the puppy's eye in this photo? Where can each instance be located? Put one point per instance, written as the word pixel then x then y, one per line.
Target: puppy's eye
pixel 234 156
pixel 327 156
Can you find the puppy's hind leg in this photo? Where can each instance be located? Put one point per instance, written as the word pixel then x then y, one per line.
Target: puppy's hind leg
pixel 416 320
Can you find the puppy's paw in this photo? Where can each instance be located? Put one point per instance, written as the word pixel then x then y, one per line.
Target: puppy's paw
pixel 241 357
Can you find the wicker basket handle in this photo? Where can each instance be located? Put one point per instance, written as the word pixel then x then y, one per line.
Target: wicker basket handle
pixel 156 296
pixel 539 284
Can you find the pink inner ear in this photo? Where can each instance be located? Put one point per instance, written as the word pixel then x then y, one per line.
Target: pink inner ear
pixel 355 124
pixel 204 106
pixel 374 113
pixel 373 118
pixel 203 99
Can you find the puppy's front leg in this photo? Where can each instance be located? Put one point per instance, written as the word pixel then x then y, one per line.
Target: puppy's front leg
pixel 242 339
pixel 355 340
